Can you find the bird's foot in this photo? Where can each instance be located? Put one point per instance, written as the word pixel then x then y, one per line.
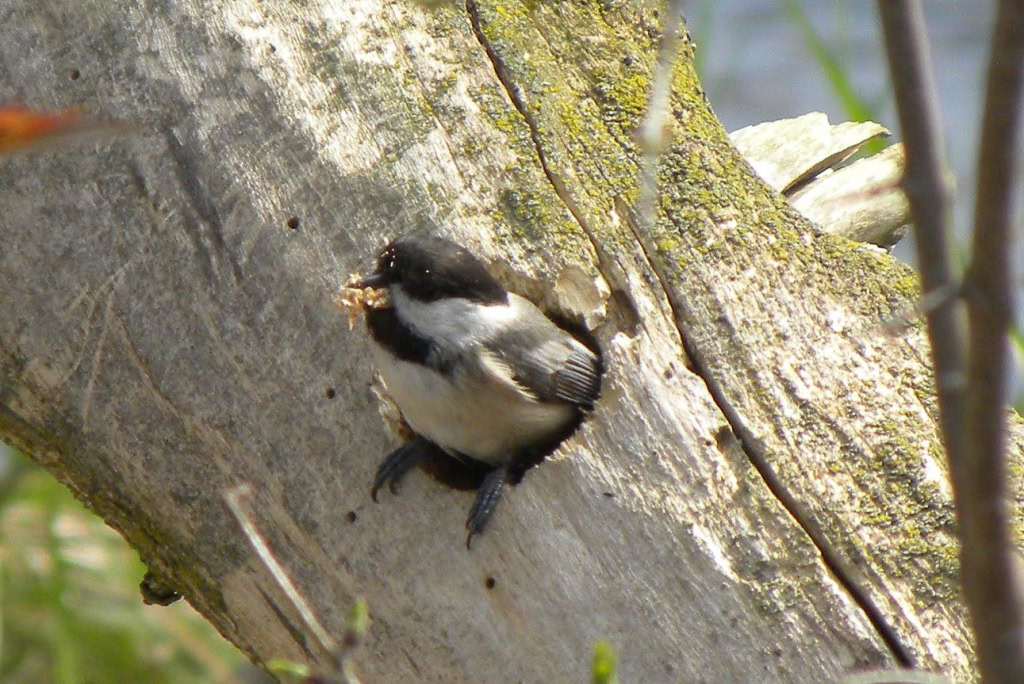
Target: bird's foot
pixel 400 461
pixel 487 497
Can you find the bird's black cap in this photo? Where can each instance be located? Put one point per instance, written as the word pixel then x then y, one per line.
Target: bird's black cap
pixel 431 268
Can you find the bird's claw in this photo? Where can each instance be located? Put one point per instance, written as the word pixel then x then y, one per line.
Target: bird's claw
pixel 399 462
pixel 487 497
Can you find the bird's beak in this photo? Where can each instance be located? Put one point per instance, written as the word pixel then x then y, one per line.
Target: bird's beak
pixel 375 280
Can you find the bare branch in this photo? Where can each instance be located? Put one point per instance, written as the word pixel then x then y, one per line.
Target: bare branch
pixel 236 501
pixel 973 421
pixel 652 129
pixel 926 182
pixel 988 559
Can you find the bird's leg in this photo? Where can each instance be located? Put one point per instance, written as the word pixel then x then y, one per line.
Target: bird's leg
pixel 400 461
pixel 487 497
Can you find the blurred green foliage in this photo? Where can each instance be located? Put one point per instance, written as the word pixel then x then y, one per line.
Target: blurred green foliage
pixel 835 68
pixel 605 668
pixel 70 609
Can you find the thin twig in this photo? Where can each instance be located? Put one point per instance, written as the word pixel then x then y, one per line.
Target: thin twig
pixel 972 413
pixel 926 182
pixel 894 677
pixel 901 320
pixel 652 128
pixel 990 580
pixel 236 500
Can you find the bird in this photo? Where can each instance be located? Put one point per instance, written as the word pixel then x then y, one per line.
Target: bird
pixel 479 373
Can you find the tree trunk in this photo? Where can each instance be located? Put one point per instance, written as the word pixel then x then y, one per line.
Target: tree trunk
pixel 168 333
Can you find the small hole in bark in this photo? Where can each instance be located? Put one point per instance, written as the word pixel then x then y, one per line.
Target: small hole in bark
pixel 329 393
pixel 351 516
pixel 489 583
pixel 293 222
pixel 75 74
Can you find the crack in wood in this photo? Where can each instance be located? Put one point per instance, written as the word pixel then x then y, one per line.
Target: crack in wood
pixel 610 271
pixel 753 447
pixel 757 454
pixel 205 210
pixel 94 371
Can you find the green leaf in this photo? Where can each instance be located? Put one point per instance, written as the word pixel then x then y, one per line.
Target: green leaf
pixel 604 664
pixel 288 667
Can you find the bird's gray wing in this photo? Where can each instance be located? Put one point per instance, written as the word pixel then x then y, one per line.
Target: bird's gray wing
pixel 549 364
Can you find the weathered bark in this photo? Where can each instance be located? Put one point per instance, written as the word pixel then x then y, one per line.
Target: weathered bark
pixel 800 158
pixel 166 334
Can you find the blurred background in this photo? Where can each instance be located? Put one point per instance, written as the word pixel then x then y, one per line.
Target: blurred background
pixel 70 609
pixel 69 597
pixel 762 60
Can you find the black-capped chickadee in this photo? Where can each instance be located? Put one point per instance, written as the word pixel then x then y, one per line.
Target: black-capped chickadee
pixel 478 373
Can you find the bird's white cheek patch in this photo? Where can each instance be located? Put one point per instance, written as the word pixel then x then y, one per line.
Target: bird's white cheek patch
pixel 453 320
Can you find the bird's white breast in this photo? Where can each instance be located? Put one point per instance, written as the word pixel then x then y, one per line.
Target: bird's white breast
pixel 474 411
